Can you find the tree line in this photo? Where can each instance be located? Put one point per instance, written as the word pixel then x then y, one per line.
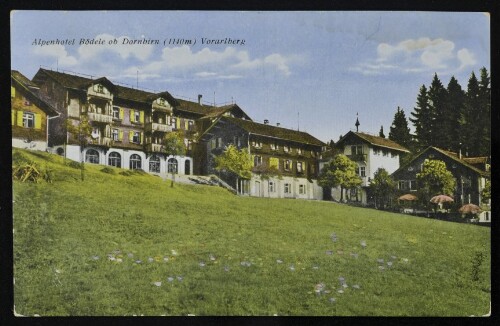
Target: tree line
pixel 448 117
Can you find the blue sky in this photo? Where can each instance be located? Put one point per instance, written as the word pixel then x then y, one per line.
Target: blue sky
pixel 312 70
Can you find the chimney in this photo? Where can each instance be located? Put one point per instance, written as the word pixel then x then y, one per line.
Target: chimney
pixel 278 124
pixel 460 153
pixel 266 122
pixel 199 98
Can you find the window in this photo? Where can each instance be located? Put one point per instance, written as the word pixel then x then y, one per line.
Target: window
pixel 172 165
pixel 116 112
pixel 99 89
pixel 271 186
pixel 286 148
pixel 237 141
pixel 28 120
pixel 274 146
pixel 212 143
pixel 174 123
pixel 288 165
pixel 161 101
pixel 413 184
pixel 288 188
pixel 362 171
pixel 256 144
pixel 402 185
pixel 219 142
pixel 376 151
pixel 257 160
pixel 189 145
pixel 299 151
pixel 300 167
pixel 115 159
pixel 135 162
pixel 115 134
pixel 356 149
pixel 154 164
pixel 92 156
pixel 136 138
pixel 302 189
pixel 190 124
pixel 137 116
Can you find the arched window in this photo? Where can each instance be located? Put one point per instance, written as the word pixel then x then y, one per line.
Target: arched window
pixel 154 164
pixel 187 167
pixel 172 165
pixel 135 162
pixel 115 159
pixel 92 156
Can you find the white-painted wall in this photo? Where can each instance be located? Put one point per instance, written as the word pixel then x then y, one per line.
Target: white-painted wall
pixel 259 186
pixel 34 145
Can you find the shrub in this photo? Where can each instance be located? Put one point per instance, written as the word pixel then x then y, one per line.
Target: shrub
pixel 108 170
pixel 140 172
pixel 126 173
pixel 74 164
pixel 27 172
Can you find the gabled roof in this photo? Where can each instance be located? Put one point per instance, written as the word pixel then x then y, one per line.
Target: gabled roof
pixel 102 80
pixel 375 141
pixel 270 131
pixel 221 110
pixel 32 91
pixel 476 160
pixel 448 154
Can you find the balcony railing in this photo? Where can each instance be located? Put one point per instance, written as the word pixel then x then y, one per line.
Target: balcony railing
pixel 154 148
pixel 357 157
pixel 104 141
pixel 100 117
pixel 153 126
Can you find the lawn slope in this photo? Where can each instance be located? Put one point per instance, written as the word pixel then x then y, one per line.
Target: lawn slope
pixel 130 244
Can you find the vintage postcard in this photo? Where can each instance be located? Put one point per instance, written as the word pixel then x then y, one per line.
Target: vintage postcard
pixel 251 163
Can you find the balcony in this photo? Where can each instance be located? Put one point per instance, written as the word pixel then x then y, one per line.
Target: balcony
pixel 153 126
pixel 97 117
pixel 154 148
pixel 357 157
pixel 103 141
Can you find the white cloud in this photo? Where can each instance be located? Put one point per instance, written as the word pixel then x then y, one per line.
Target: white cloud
pixel 466 58
pixel 417 55
pixel 56 51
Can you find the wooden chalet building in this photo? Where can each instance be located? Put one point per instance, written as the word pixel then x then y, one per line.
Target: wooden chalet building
pixel 470 173
pixel 370 153
pixel 30 114
pixel 294 154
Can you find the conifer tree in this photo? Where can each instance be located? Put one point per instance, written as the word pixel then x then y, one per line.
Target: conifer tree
pixel 437 99
pixel 470 128
pixel 485 113
pixel 422 119
pixel 381 132
pixel 453 109
pixel 400 133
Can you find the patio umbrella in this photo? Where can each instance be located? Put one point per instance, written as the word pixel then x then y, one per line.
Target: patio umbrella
pixel 408 197
pixel 441 199
pixel 470 209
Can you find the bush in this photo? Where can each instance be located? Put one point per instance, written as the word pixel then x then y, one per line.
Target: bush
pixel 108 170
pixel 27 172
pixel 126 173
pixel 19 158
pixel 140 172
pixel 74 165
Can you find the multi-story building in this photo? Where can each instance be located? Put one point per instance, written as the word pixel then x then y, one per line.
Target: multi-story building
pixel 128 124
pixel 370 153
pixel 292 155
pixel 30 113
pixel 470 173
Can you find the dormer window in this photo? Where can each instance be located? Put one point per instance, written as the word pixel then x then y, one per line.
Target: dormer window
pixel 286 148
pixel 161 101
pixel 99 88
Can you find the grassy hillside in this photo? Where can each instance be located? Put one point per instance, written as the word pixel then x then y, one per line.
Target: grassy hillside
pixel 102 247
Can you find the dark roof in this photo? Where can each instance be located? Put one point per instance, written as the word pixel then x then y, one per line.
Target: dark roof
pixel 476 160
pixel 193 107
pixel 274 132
pixel 450 155
pixel 218 111
pixel 34 91
pixel 376 141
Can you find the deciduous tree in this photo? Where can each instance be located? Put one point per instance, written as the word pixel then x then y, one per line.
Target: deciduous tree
pixel 235 161
pixel 435 179
pixel 340 171
pixel 382 187
pixel 173 145
pixel 80 132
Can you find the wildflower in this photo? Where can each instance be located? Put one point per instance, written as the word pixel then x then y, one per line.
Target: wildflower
pixel 315 267
pixel 389 263
pixel 226 268
pixel 345 286
pixel 246 263
pixel 333 236
pixel 292 268
pixel 381 268
pixel 117 251
pixel 180 278
pixel 332 300
pixel 329 252
pixel 174 252
pixel 58 271
pixel 355 286
pixel 405 260
pixel 157 283
pixel 318 288
pixel 279 261
pixel 138 261
pixel 95 257
pixel 393 257
pixel 112 258
pixel 342 281
pixel 340 291
pixel 363 244
pixel 202 264
pixel 165 259
pixel 212 257
pixel 150 259
pixel 170 279
pixel 130 255
pixel 340 252
pixel 157 258
pixel 380 261
pixel 355 255
pixel 119 260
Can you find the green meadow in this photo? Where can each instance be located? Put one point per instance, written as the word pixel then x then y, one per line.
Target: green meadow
pixel 122 245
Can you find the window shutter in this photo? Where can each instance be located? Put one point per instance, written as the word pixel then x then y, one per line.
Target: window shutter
pixel 130 135
pixel 131 115
pixel 120 134
pixel 121 114
pixel 178 124
pixel 12 91
pixel 142 137
pixel 141 116
pixel 20 118
pixel 186 124
pixel 13 115
pixel 38 121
